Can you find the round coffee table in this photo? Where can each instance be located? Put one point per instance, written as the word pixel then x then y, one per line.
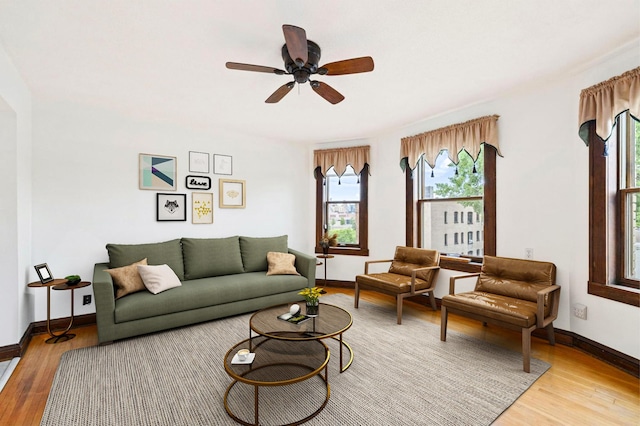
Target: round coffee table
pixel 276 362
pixel 331 322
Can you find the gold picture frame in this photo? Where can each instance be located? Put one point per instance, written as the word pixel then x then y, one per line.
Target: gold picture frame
pixel 202 207
pixel 233 194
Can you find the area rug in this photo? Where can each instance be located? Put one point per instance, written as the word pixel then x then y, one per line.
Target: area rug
pixel 401 374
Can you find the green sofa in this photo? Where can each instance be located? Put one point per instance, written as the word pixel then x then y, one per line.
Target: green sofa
pixel 220 277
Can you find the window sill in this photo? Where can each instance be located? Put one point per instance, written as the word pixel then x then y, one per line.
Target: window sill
pixel 461 264
pixel 349 251
pixel 620 294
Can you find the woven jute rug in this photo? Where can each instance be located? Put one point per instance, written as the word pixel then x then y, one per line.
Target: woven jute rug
pixel 401 374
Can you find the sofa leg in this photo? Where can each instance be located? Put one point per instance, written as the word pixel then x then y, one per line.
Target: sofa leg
pixel 356 296
pixel 526 349
pixel 443 323
pixel 551 334
pixel 399 308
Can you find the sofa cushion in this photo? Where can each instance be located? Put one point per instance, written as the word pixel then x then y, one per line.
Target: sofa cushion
pixel 281 263
pixel 168 252
pixel 254 251
pixel 211 257
pixel 158 278
pixel 206 292
pixel 126 279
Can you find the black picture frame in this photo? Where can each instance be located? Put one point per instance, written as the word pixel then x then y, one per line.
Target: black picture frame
pixel 44 273
pixel 202 183
pixel 171 207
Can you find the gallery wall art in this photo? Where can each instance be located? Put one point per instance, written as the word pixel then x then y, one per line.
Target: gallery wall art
pixel 157 172
pixel 171 207
pixel 202 207
pixel 232 194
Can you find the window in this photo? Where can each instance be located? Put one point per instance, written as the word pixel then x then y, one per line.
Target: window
pixel 614 196
pixel 341 208
pixel 459 189
pixel 445 239
pixel 445 218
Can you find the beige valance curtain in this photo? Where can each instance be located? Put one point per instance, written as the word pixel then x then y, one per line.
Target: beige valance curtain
pixel 339 158
pixel 603 102
pixel 466 136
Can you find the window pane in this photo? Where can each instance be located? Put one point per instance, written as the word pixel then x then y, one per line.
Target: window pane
pixel 344 188
pixel 343 219
pixel 445 183
pixel 632 236
pixel 434 228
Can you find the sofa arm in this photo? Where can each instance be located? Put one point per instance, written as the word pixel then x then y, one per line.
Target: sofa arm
pixel 452 281
pixel 306 265
pixel 103 292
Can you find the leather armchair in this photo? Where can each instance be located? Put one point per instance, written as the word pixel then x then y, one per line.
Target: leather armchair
pixel 413 271
pixel 517 294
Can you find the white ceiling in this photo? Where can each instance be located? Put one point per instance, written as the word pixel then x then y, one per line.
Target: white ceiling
pixel 165 59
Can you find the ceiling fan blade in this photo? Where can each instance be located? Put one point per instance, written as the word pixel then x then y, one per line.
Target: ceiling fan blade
pixel 296 40
pixel 280 93
pixel 256 68
pixel 348 66
pixel 327 92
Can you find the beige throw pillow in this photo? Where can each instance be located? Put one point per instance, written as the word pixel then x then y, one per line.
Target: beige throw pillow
pixel 158 278
pixel 281 263
pixel 127 279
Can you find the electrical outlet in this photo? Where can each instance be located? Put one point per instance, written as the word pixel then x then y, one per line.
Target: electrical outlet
pixel 86 299
pixel 580 311
pixel 528 253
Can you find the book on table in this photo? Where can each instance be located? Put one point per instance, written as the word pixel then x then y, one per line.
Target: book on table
pixel 294 319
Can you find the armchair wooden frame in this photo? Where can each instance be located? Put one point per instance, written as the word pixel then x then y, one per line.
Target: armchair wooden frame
pixel 401 296
pixel 551 291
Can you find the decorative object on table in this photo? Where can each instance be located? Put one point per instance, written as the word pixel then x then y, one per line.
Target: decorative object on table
pixel 72 279
pixel 171 207
pixel 222 164
pixel 157 172
pixel 328 241
pixel 312 299
pixel 202 207
pixel 198 162
pixel 44 273
pixel 232 194
pixel 202 183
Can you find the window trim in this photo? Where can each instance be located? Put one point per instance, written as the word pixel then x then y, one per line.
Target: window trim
pixel 363 248
pixel 489 228
pixel 603 245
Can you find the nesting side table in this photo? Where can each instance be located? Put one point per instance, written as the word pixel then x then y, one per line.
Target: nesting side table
pixel 59 284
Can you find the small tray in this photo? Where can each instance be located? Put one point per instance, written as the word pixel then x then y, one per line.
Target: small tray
pixel 247 361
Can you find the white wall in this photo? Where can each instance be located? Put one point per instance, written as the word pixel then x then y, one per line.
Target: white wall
pixel 542 194
pixel 15 223
pixel 85 175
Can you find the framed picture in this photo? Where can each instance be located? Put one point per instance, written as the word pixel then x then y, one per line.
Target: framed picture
pixel 202 207
pixel 198 162
pixel 198 182
pixel 232 194
pixel 44 273
pixel 222 164
pixel 157 172
pixel 171 207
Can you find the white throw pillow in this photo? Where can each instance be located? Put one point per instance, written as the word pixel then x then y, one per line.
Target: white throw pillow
pixel 158 278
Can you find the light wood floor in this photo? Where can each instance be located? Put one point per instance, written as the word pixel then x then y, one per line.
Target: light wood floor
pixel 577 390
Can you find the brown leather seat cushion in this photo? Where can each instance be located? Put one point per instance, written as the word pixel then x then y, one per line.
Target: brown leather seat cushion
pixel 521 313
pixel 388 282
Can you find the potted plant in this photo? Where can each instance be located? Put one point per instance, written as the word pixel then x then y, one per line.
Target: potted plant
pixel 311 296
pixel 328 241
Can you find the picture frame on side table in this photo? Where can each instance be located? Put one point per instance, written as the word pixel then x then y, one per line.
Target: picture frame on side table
pixel 198 162
pixel 44 274
pixel 171 207
pixel 222 164
pixel 202 207
pixel 157 172
pixel 232 194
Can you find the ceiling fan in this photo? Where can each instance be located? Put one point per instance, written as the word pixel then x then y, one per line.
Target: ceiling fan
pixel 301 58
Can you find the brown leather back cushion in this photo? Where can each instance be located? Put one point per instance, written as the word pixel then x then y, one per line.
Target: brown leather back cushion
pixel 407 259
pixel 518 278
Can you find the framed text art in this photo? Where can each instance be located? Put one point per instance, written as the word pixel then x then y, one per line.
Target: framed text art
pixel 44 274
pixel 232 194
pixel 222 164
pixel 198 162
pixel 157 172
pixel 198 182
pixel 202 207
pixel 171 207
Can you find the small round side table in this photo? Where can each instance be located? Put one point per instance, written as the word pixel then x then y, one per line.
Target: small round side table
pixel 325 257
pixel 59 284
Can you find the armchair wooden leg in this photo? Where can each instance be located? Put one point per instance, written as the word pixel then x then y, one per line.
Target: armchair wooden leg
pixel 399 308
pixel 526 349
pixel 432 300
pixel 551 334
pixel 356 296
pixel 443 323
